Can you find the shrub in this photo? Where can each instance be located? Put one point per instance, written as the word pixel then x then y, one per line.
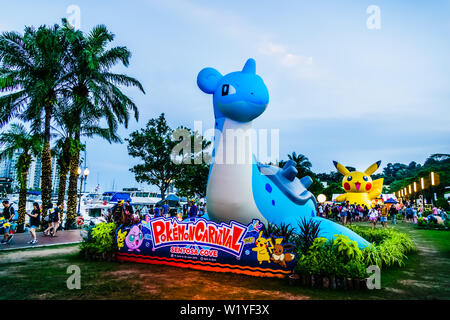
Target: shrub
pixel 340 257
pixel 389 246
pixel 309 230
pixel 348 250
pixel 282 230
pixel 100 241
pixel 421 222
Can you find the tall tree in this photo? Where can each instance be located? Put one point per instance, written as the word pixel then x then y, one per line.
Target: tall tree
pixel 18 139
pixel 93 90
pixel 66 147
pixel 302 164
pixel 32 67
pixel 193 178
pixel 153 145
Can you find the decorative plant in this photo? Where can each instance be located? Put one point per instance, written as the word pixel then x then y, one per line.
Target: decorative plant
pixel 100 241
pixel 371 256
pixel 309 230
pixel 282 230
pixel 346 248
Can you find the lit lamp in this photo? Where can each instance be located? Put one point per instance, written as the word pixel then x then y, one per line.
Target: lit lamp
pixel 422 183
pixel 433 195
pixel 415 187
pixel 321 198
pixel 409 189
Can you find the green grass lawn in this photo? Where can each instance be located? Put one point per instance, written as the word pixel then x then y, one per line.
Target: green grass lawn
pixel 41 274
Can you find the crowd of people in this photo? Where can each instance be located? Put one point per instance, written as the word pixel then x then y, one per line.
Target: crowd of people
pixel 52 221
pixel 124 213
pixel 121 213
pixel 347 213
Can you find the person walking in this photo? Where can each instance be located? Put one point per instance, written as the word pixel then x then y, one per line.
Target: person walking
pixel 35 221
pixel 118 213
pixel 344 213
pixel 393 214
pixel 9 215
pixel 129 208
pixel 49 218
pixel 409 214
pixel 56 218
pixel 373 217
pixel 156 211
pixel 193 211
pixel 414 210
pixel 383 216
pixel 165 209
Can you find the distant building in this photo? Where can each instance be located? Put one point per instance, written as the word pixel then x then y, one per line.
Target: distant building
pixel 8 170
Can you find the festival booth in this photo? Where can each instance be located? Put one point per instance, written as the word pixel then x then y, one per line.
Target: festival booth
pixel 242 198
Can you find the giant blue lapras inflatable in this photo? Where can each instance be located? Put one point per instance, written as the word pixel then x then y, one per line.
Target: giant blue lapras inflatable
pixel 247 190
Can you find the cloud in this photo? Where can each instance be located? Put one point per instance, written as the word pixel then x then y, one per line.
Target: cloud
pixel 302 65
pixel 285 57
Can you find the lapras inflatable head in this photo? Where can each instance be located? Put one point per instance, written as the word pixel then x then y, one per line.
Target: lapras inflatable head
pixel 241 96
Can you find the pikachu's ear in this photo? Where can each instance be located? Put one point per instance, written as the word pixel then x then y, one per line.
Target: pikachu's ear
pixel 260 234
pixel 372 168
pixel 343 170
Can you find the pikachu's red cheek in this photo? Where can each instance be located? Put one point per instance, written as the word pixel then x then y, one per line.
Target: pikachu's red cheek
pixel 347 186
pixel 368 186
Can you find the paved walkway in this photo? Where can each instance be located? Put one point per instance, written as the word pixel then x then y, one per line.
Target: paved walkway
pixel 20 240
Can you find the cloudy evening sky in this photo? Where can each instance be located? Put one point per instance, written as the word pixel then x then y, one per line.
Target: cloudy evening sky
pixel 338 90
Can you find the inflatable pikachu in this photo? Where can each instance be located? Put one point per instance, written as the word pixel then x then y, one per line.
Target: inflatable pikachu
pixel 359 187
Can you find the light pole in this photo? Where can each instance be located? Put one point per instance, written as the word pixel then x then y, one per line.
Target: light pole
pixel 433 182
pixel 82 177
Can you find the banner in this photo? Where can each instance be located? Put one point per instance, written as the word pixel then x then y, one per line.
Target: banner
pixel 205 245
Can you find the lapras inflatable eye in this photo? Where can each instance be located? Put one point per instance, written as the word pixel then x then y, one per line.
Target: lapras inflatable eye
pixel 228 89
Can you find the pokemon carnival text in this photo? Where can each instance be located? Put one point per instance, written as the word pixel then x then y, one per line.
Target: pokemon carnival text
pixel 224 237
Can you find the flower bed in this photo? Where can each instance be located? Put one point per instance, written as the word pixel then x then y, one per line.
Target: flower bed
pixel 339 263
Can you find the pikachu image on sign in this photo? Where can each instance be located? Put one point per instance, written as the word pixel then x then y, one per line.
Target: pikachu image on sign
pixel 359 187
pixel 263 248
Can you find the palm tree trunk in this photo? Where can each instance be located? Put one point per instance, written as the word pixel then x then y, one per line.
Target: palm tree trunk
pixel 62 187
pixel 64 166
pixel 22 200
pixel 72 191
pixel 46 176
pixel 62 183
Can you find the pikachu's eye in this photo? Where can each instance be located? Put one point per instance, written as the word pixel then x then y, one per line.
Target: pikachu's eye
pixel 349 178
pixel 366 178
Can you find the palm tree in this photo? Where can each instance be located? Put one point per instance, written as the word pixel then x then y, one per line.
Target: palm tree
pixel 93 90
pixel 66 147
pixel 31 71
pixel 302 164
pixel 17 138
